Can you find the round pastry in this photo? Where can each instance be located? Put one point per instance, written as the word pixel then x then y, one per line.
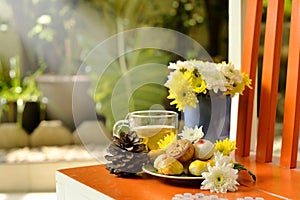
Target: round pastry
pixel 182 150
pixel 158 159
pixel 153 154
pixel 197 167
pixel 168 165
pixel 204 149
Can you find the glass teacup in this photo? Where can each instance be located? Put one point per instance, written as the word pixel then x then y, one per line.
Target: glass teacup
pixel 150 125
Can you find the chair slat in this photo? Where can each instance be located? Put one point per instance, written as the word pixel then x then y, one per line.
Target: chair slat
pixel 269 86
pixel 249 65
pixel 270 78
pixel 291 124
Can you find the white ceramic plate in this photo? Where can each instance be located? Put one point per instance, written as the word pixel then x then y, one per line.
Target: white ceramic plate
pixel 152 171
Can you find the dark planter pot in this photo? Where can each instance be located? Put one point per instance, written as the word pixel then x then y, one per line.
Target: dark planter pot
pixel 213 113
pixel 30 116
pixel 64 95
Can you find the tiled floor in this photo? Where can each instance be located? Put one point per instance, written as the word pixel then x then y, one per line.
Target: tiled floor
pixel 27 196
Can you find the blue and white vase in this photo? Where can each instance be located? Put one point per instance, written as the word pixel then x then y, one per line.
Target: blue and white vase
pixel 213 113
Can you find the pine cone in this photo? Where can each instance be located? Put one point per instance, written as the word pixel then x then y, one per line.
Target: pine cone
pixel 129 142
pixel 128 155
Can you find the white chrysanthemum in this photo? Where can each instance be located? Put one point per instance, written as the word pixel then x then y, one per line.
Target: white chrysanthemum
pixel 222 177
pixel 213 78
pixel 181 64
pixel 233 75
pixel 184 64
pixel 193 135
pixel 220 159
pixel 172 66
pixel 216 83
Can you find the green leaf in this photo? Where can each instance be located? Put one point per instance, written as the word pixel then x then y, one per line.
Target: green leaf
pixel 241 167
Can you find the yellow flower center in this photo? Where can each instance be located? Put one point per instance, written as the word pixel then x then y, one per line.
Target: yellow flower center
pixel 219 179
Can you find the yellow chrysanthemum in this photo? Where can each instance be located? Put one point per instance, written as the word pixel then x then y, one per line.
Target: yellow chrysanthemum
pixel 246 80
pixel 235 88
pixel 175 80
pixel 198 84
pixel 166 141
pixel 187 74
pixel 183 98
pixel 194 78
pixel 181 91
pixel 225 146
pixel 239 87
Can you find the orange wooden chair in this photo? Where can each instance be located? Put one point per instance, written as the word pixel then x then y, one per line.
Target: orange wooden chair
pixel 269 83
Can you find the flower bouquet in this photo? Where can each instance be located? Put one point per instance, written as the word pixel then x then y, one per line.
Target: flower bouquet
pixel 195 77
pixel 203 91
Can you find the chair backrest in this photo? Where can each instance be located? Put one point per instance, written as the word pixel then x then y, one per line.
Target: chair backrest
pixel 269 82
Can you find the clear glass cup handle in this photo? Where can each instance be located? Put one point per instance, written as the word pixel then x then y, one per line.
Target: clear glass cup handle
pixel 118 126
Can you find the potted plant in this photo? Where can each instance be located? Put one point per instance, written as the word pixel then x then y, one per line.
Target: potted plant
pixel 203 91
pixel 52 37
pixel 20 97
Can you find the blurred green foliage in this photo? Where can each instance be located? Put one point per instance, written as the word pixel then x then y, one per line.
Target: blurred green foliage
pixel 56 36
pixel 120 16
pixel 17 87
